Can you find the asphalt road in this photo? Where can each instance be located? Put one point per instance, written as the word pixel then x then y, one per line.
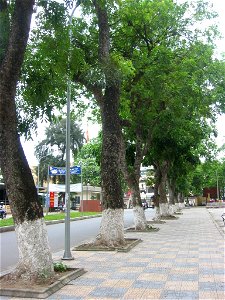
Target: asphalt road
pixel 80 231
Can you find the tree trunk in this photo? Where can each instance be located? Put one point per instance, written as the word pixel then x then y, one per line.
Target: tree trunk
pixel 163 202
pixel 140 222
pixel 34 252
pixel 132 177
pixel 156 193
pixel 181 200
pixel 172 196
pixel 112 226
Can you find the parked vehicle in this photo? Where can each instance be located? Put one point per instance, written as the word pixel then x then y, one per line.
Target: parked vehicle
pixel 2 213
pixel 145 205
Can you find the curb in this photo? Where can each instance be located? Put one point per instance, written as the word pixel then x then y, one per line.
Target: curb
pixel 43 292
pixel 11 228
pixel 221 231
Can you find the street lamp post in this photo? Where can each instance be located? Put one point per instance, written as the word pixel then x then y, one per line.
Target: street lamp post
pixel 67 253
pixel 38 185
pixel 38 177
pixel 217 186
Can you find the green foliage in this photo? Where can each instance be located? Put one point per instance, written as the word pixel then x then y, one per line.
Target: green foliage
pixel 56 140
pixel 207 174
pixel 60 267
pixel 89 157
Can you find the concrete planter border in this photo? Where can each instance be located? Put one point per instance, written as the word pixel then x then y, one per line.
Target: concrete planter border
pixel 43 293
pixel 131 243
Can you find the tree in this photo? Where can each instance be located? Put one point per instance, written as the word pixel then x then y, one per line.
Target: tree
pixel 55 138
pixel 34 251
pixel 208 174
pixel 112 228
pixel 166 59
pixel 89 157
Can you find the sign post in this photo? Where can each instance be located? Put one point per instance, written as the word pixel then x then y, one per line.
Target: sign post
pixel 53 171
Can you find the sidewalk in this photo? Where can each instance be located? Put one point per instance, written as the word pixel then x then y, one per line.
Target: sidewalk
pixel 183 260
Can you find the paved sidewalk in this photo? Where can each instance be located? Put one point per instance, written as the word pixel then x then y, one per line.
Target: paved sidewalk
pixel 183 260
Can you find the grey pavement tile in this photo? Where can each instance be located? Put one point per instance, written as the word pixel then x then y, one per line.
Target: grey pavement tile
pixel 220 286
pixel 218 260
pixel 169 294
pixel 207 286
pixel 108 269
pixel 219 271
pixel 206 271
pixel 189 295
pixel 86 281
pixel 108 292
pixel 136 264
pixel 148 284
pixel 156 270
pixel 124 275
pixel 186 265
pixel 158 260
pixel 183 277
pixel 63 296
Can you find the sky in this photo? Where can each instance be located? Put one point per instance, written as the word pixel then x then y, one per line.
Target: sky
pixel 29 146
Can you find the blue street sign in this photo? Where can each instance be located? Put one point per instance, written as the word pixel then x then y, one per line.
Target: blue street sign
pixel 76 170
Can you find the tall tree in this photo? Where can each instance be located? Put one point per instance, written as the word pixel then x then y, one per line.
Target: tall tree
pixel 161 49
pixel 112 227
pixel 34 251
pixel 55 138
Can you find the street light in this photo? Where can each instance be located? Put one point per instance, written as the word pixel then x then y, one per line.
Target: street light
pixel 217 186
pixel 67 253
pixel 38 179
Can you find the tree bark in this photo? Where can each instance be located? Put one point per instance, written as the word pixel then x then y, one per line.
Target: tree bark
pixel 26 209
pixel 132 177
pixel 163 202
pixel 111 146
pixel 156 193
pixel 172 196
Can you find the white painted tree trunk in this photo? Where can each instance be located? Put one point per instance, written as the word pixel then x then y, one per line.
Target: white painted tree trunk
pixel 172 209
pixel 181 205
pixel 111 231
pixel 177 206
pixel 140 221
pixel 35 257
pixel 164 209
pixel 157 216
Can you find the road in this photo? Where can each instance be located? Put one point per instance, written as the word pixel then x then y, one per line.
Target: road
pixel 80 231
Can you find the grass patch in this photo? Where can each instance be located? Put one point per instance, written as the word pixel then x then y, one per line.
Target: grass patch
pixel 52 217
pixel 6 222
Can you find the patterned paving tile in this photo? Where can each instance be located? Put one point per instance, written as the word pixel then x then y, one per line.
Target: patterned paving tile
pixel 170 294
pixel 153 277
pixel 189 295
pixel 86 281
pixel 76 291
pixel 221 295
pixel 189 286
pixel 173 285
pixel 184 260
pixel 151 294
pixel 108 292
pixel 148 284
pixel 203 295
pixel 207 286
pixel 183 277
pixel 133 293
